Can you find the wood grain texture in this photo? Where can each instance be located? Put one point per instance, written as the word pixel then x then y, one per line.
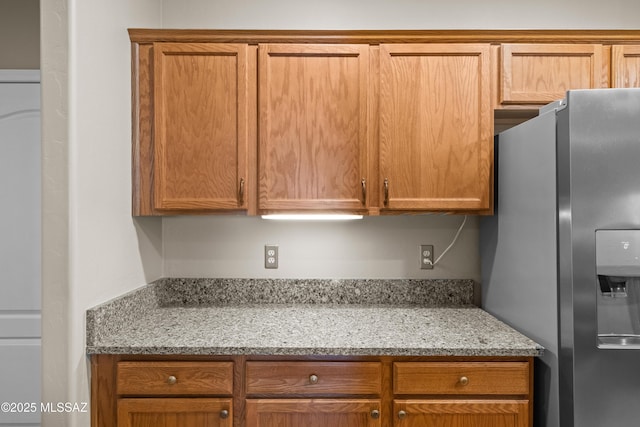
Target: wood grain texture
pixel 462 413
pixel 484 378
pixel 174 412
pixel 104 397
pixel 542 73
pixel 103 391
pixel 542 76
pixel 142 35
pixel 312 413
pixel 313 127
pixel 151 378
pixel 142 129
pixel 200 126
pixel 625 66
pixel 334 378
pixel 436 145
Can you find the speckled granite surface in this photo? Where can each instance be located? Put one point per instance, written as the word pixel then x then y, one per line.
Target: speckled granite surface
pixel 295 317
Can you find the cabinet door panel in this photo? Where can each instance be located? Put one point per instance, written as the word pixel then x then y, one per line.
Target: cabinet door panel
pixel 435 127
pixel 461 413
pixel 200 123
pixel 313 126
pixel 542 73
pixel 312 413
pixel 625 66
pixel 174 413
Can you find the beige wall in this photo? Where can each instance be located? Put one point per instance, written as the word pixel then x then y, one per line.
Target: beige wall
pixel 19 34
pixel 93 250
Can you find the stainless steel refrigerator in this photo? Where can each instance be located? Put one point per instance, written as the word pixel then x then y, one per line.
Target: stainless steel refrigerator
pixel 561 256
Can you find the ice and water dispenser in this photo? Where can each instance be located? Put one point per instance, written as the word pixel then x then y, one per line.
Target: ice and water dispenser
pixel 618 302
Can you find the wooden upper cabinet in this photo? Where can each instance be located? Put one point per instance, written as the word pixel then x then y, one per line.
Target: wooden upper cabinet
pixel 625 66
pixel 357 122
pixel 200 121
pixel 542 73
pixel 435 127
pixel 313 138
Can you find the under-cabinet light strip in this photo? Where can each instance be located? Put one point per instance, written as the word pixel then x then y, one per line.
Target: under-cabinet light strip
pixel 312 217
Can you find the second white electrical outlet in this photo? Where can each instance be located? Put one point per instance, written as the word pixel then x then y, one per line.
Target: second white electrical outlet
pixel 270 256
pixel 426 257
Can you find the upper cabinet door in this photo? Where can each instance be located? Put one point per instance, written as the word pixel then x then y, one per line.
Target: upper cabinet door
pixel 435 125
pixel 313 137
pixel 200 96
pixel 542 73
pixel 625 66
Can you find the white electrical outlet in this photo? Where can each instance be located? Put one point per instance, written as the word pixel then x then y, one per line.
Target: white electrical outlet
pixel 426 257
pixel 270 256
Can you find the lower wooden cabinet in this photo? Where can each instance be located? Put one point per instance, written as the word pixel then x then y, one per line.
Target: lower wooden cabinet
pixel 461 413
pixel 313 412
pixel 311 391
pixel 170 412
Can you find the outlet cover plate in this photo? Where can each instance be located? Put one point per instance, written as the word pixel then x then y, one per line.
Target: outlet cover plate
pixel 270 256
pixel 426 257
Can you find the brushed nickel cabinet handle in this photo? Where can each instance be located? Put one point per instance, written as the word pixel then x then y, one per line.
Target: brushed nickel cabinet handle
pixel 375 414
pixel 224 414
pixel 241 191
pixel 386 191
pixel 464 380
pixel 364 191
pixel 172 380
pixel 313 379
pixel 402 415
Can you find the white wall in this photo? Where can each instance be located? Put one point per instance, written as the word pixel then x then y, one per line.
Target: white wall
pixel 401 14
pixel 375 247
pixel 93 250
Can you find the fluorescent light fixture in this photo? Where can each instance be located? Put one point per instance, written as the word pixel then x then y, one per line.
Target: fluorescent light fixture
pixel 312 217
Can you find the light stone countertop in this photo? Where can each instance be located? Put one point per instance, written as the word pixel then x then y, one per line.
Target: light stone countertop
pixel 141 323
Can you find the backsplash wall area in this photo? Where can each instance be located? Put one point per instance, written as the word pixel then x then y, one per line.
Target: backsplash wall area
pixel 374 247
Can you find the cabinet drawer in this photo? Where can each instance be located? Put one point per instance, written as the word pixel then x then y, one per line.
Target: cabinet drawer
pixel 175 378
pixel 314 378
pixel 499 378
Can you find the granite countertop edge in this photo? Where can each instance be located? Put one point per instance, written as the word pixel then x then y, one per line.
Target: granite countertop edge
pixel 242 317
pixel 318 351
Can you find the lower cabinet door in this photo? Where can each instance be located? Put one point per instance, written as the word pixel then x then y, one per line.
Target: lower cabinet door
pixel 169 412
pixel 313 413
pixel 461 413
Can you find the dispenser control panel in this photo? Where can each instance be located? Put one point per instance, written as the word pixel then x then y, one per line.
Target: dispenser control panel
pixel 618 288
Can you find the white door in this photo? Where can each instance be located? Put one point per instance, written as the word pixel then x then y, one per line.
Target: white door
pixel 20 248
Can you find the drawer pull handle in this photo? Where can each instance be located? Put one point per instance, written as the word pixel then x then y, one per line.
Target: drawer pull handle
pixel 224 414
pixel 386 192
pixel 172 380
pixel 364 191
pixel 313 379
pixel 464 380
pixel 402 415
pixel 375 414
pixel 241 192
